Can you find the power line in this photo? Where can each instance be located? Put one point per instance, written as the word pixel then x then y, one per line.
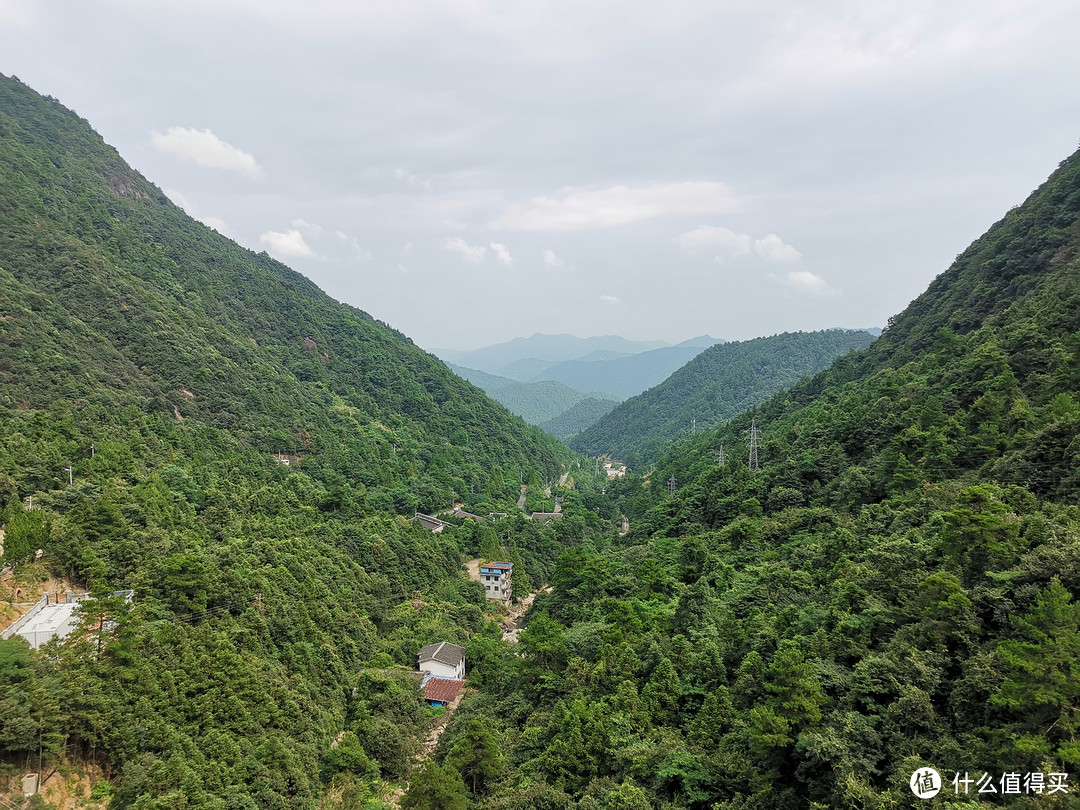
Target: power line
pixel 755 434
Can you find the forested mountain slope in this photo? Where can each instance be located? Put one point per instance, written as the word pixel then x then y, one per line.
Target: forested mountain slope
pixel 621 377
pixel 715 385
pixel 894 588
pixel 117 297
pixel 575 419
pixel 164 368
pixel 536 402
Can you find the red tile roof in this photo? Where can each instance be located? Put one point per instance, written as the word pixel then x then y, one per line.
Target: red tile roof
pixel 443 690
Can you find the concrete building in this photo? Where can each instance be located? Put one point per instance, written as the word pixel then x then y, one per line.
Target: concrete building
pixel 497 579
pixel 47 620
pixel 443 660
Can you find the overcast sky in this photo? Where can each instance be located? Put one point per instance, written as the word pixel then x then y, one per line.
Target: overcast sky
pixel 474 170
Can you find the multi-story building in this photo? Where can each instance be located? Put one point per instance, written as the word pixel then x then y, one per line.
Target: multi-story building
pixel 497 579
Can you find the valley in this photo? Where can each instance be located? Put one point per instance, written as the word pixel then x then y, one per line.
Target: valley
pixel 820 562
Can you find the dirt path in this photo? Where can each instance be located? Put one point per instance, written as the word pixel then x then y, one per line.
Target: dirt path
pixel 427 748
pixel 473 567
pixel 521 500
pixel 510 634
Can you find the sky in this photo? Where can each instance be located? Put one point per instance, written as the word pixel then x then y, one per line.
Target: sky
pixel 470 171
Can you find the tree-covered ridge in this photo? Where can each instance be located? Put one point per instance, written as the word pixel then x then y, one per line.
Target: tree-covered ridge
pixel 717 384
pixel 583 414
pixel 112 293
pixel 896 586
pixel 535 402
pixel 168 368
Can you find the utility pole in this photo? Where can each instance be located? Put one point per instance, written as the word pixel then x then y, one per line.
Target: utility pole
pixel 70 480
pixel 30 501
pixel 693 426
pixel 91 451
pixel 597 470
pixel 755 434
pixel 721 459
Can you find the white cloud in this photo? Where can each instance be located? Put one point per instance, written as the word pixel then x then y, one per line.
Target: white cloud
pixel 855 42
pixel 216 223
pixel 552 30
pixel 502 254
pixel 611 300
pixel 713 238
pixel 403 270
pixel 206 149
pixel 408 249
pixel 412 179
pixel 578 209
pixel 362 254
pixel 803 281
pixel 309 228
pixel 288 245
pixel 181 200
pixel 192 211
pixel 553 261
pixel 473 253
pixel 773 249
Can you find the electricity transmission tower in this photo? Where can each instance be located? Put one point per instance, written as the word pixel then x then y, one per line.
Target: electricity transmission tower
pixel 721 459
pixel 755 434
pixel 672 485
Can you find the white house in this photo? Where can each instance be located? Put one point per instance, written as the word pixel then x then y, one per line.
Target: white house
pixel 443 660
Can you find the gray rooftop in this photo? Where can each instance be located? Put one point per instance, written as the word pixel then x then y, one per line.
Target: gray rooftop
pixel 444 652
pixel 44 622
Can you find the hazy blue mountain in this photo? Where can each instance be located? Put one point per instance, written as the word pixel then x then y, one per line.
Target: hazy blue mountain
pixel 703 342
pixel 525 369
pixel 558 348
pixel 622 377
pixel 535 402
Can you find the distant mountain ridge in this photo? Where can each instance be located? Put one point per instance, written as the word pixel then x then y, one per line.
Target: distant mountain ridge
pixel 622 377
pixel 714 385
pixel 553 348
pixel 535 402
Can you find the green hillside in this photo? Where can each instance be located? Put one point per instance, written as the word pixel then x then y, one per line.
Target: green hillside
pixel 577 418
pixel 171 373
pixel 534 402
pixel 715 385
pixel 621 377
pixel 893 589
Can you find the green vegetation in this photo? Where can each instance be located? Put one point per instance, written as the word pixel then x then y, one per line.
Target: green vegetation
pixel 175 372
pixel 718 384
pixel 895 587
pixel 583 414
pixel 620 377
pixel 535 402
